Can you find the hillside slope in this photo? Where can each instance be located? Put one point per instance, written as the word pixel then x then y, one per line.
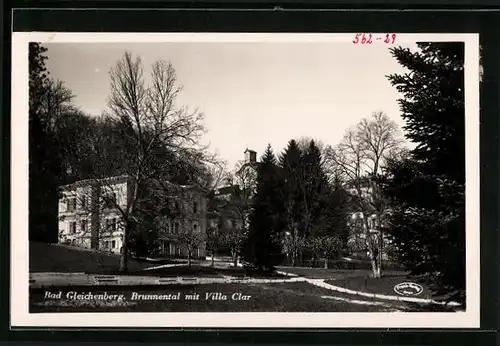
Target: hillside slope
pixel 63 258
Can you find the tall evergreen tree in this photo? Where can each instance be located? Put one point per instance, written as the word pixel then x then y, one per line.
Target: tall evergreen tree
pixel 290 163
pixel 291 197
pixel 316 191
pixel 263 248
pixel 427 188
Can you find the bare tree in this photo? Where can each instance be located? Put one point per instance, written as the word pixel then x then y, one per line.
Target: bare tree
pixel 150 124
pixel 244 180
pixel 359 160
pixel 326 247
pixel 214 242
pixel 56 101
pixel 183 234
pixel 233 239
pixel 294 243
pixel 216 174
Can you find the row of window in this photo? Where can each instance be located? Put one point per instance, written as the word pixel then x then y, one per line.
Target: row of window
pixel 83 227
pixel 111 225
pixel 111 244
pixel 71 202
pixel 177 225
pixel 195 206
pixel 110 200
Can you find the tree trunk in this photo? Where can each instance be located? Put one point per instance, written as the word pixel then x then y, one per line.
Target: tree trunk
pixel 235 258
pixel 375 265
pixel 189 257
pixel 326 262
pixel 124 255
pixel 293 259
pixel 381 251
pixel 213 258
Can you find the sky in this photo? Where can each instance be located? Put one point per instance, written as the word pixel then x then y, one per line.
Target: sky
pixel 251 94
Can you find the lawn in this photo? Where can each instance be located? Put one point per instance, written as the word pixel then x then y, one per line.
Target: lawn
pixel 211 272
pixel 67 259
pixel 60 258
pixel 331 273
pixel 285 297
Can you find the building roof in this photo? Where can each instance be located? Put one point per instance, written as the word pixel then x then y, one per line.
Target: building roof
pixel 90 182
pixel 254 165
pixel 121 179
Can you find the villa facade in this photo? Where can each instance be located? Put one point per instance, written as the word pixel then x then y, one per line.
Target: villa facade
pixel 89 213
pixel 186 224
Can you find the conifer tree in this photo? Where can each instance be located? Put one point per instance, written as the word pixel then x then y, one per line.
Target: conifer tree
pixel 427 187
pixel 316 191
pixel 263 247
pixel 291 195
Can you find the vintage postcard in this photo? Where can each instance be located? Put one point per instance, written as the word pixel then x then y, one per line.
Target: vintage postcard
pixel 245 180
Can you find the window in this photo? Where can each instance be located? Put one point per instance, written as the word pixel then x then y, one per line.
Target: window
pixel 110 199
pixel 195 207
pixel 177 225
pixel 72 227
pixel 111 224
pixel 71 204
pixel 195 228
pixel 83 226
pixel 113 244
pixel 84 202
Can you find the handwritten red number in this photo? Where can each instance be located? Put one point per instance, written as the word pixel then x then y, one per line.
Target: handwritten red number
pixel 390 38
pixel 368 38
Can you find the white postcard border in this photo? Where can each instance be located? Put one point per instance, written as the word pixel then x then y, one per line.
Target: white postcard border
pixel 19 309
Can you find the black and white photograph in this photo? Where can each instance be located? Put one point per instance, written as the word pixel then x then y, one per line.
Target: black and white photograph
pixel 245 180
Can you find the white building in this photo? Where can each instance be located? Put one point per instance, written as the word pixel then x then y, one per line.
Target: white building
pixel 365 224
pixel 89 213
